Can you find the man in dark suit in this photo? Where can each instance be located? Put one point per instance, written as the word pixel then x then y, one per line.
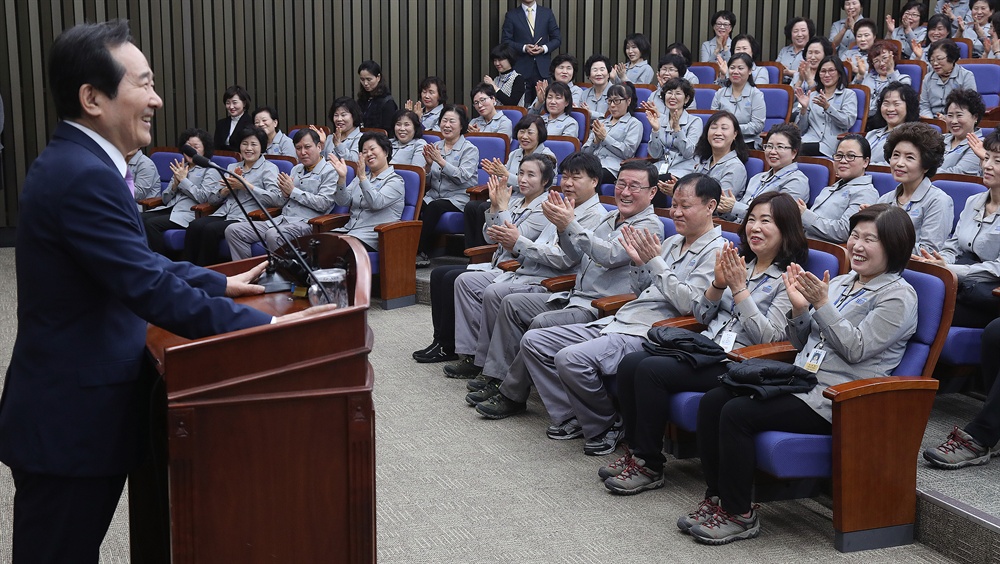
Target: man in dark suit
pixel 531 30
pixel 75 400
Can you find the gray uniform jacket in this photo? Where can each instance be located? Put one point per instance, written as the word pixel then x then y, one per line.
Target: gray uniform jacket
pixel 958 10
pixel 675 150
pixel 528 219
pixel 877 84
pixel 729 171
pixel 789 180
pixel 263 175
pixel 822 126
pixel 863 333
pixel 668 285
pixel 196 188
pixel 313 194
pixel 932 212
pixel 145 176
pixel 749 110
pixel 499 124
pixel 431 117
pixel 933 91
pixel 845 42
pixel 458 174
pixel 577 95
pixel 756 320
pixel 789 58
pixel 410 154
pixel 373 201
pixel 977 42
pixel 604 263
pixel 281 145
pixel 876 139
pixel 347 149
pixel 514 162
pixel 977 234
pixel 961 159
pixel 621 142
pixel 709 51
pixel 691 77
pixel 904 38
pixel 829 217
pixel 564 124
pixel 598 105
pixel 640 73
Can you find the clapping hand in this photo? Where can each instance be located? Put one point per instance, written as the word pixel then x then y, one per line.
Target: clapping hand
pixel 558 210
pixel 666 186
pixel 976 144
pixel 415 107
pixel 494 167
pixel 861 65
pixel 802 96
pixel 600 132
pixel 180 171
pixel 499 194
pixel 505 235
pixel 322 134
pixel 802 205
pixel 918 49
pixel 641 245
pixel 890 24
pixel 726 202
pixel 652 115
pixel 285 184
pixel 805 289
pixel 821 100
pixel 932 257
pixel 540 87
pixel 433 154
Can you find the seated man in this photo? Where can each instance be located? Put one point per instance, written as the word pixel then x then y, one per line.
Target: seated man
pixel 603 271
pixel 566 363
pixel 309 192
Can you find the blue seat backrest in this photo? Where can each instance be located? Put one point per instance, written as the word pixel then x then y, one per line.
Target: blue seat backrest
pixel 819 262
pixel 733 238
pixel 935 126
pixel 490 147
pixel 582 123
pixel 222 160
pixel 642 93
pixel 777 102
pixel 773 74
pixel 960 192
pixel 929 310
pixel 669 230
pixel 986 131
pixel 862 110
pixel 705 74
pixel 609 207
pixel 987 81
pixel 411 193
pixel 561 149
pixel 431 137
pixel 883 182
pixel 291 133
pixel 607 190
pixel 754 167
pixel 914 71
pixel 513 115
pixel 704 119
pixel 162 160
pixel 283 165
pixel 643 150
pixel 963 50
pixel 819 178
pixel 703 97
pixel 349 177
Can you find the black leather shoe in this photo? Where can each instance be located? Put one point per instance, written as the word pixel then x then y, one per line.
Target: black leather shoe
pixel 436 354
pixel 427 349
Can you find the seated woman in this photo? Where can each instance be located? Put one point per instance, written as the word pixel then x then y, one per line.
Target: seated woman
pixel 915 153
pixel 722 24
pixel 910 28
pixel 558 103
pixel 531 134
pixel 806 76
pixel 878 70
pixel 266 119
pixel 345 115
pixel 898 104
pixel 523 210
pixel 977 29
pixel 721 152
pixel 595 98
pixel 674 133
pixel 865 32
pixel 374 198
pixel 190 186
pixel 770 240
pixel 946 75
pixel 433 97
pixel 682 50
pixel 798 31
pixel 670 66
pixel 408 145
pixel 993 52
pixel 563 70
pixel 201 243
pixel 858 323
pixel 827 219
pixel 938 28
pixel 374 98
pixel 842 31
pixel 237 102
pixel 509 85
pixel 145 177
pixel 451 170
pixel 742 99
pixel 828 111
pixel 489 120
pixel 780 151
pixel 616 137
pixel 744 43
pixel 964 109
pixel 637 70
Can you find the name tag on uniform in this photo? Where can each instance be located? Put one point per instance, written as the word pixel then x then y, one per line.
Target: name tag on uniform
pixel 728 340
pixel 815 360
pixel 914 212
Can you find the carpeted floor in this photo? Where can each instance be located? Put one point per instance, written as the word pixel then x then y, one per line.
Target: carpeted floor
pixel 454 488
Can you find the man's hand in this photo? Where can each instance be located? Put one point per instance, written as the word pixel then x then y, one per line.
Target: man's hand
pixel 558 210
pixel 315 310
pixel 240 285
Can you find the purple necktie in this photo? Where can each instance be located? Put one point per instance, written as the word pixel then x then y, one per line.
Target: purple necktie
pixel 129 181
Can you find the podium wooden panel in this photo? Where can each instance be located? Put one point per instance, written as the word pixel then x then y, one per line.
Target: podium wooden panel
pixel 264 439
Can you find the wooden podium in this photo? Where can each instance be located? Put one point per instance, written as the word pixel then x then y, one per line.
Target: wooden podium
pixel 264 439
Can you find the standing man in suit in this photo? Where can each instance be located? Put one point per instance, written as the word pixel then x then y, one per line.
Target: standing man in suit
pixel 74 411
pixel 531 30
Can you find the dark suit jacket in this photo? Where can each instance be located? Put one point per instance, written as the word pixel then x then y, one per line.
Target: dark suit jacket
pixel 222 131
pixel 378 112
pixel 517 34
pixel 74 403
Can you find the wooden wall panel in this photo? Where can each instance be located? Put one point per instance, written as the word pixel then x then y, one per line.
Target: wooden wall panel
pixel 298 55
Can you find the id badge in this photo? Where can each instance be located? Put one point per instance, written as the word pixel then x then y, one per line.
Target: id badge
pixel 728 340
pixel 815 360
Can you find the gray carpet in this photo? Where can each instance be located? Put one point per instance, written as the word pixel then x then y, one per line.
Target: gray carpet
pixel 454 488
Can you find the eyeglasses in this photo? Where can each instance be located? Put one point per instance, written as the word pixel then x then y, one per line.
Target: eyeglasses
pixel 770 147
pixel 622 186
pixel 849 157
pixel 938 60
pixel 615 100
pixel 828 71
pixel 480 102
pixel 723 25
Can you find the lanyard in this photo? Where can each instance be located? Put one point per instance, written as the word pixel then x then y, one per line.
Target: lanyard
pixel 846 298
pixel 766 181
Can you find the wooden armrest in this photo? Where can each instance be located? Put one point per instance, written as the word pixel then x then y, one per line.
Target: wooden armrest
pixel 559 283
pixel 509 265
pixel 478 190
pixel 397 225
pixel 202 210
pixel 611 304
pixel 868 386
pixel 782 350
pixel 329 221
pixel 996 292
pixel 480 254
pixel 258 215
pixel 686 322
pixel 150 203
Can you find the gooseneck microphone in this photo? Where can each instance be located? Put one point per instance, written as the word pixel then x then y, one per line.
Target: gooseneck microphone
pixel 271 279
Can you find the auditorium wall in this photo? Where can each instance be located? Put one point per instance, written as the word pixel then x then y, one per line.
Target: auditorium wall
pixel 298 55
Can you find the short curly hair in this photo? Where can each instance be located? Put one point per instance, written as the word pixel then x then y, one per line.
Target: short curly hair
pixel 968 99
pixel 925 138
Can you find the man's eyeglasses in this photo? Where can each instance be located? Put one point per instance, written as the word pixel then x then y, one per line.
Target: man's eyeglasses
pixel 631 187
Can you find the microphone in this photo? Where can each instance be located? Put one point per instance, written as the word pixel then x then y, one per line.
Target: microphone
pixel 271 279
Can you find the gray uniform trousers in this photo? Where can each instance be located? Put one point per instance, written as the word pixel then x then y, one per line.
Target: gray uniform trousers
pixel 469 289
pixel 566 364
pixel 240 235
pixel 492 298
pixel 518 314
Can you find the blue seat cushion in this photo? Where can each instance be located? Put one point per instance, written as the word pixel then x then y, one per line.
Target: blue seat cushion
pixel 963 346
pixel 373 259
pixel 794 455
pixel 173 239
pixel 451 222
pixel 684 410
